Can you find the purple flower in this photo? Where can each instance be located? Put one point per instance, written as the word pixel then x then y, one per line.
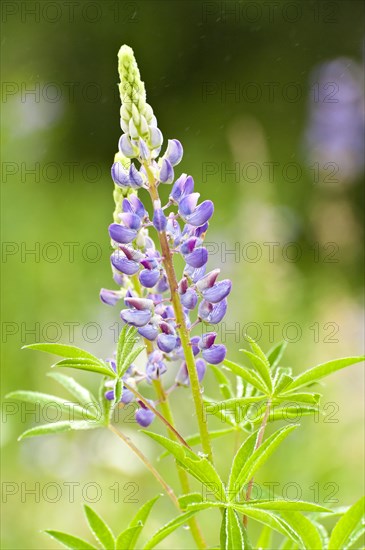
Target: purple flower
pixel 197 258
pixel 212 313
pixel 136 317
pixel 159 220
pixel 217 292
pixel 139 303
pixel 166 342
pixel 144 416
pixel 193 214
pixel 208 280
pixel 109 395
pixel 155 365
pixel 149 331
pixel 166 172
pixel 183 186
pixel 121 234
pixel 214 354
pixel 123 264
pixel 174 151
pixel 182 377
pixel 207 340
pixel 194 274
pixel 189 299
pixel 126 147
pixel 110 297
pixel 149 277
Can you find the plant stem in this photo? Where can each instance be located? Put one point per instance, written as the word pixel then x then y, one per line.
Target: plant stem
pixel 183 330
pixel 147 463
pixel 260 437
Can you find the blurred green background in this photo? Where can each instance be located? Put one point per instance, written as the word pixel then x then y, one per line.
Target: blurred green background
pixel 266 98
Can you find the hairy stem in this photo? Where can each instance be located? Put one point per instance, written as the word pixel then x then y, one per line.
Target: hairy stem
pixel 260 437
pixel 183 330
pixel 147 463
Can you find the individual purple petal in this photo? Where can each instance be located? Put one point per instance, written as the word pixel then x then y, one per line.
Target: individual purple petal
pixel 188 204
pixel 166 342
pixel 201 214
pixel 198 257
pixel 189 299
pixel 121 234
pixel 195 345
pixel 137 206
pixel 109 395
pixel 121 263
pixel 127 205
pixel 159 220
pixel 212 313
pixel 131 220
pixel 155 365
pixel 208 280
pixel 144 416
pixel 127 396
pixel 144 152
pixel 195 274
pixel 110 297
pixel 126 147
pixel 119 175
pixel 215 354
pixel 182 377
pixel 199 231
pixel 139 303
pixel 207 340
pixel 149 277
pixel 135 177
pixel 162 284
pixel 166 172
pixel 173 229
pixel 135 317
pixel 178 188
pixel 201 368
pixel 118 277
pixel 188 246
pixel 132 253
pixel 217 292
pixel 174 151
pixel 149 331
pixel 156 137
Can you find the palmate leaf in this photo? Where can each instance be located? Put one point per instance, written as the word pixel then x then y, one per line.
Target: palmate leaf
pixel 59 427
pixel 83 395
pixel 262 367
pixel 349 524
pixel 275 354
pixel 257 458
pixel 128 538
pixel 85 364
pixel 69 541
pixel 231 531
pixel 99 529
pixel 51 400
pixel 71 352
pixel 308 533
pixel 249 376
pixel 199 467
pixel 316 373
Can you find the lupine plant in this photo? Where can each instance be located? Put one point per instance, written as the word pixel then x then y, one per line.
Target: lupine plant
pixel 162 305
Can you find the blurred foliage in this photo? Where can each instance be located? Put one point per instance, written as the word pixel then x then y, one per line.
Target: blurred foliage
pixel 183 50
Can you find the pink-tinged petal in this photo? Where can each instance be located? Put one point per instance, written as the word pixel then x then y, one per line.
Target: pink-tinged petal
pixel 212 313
pixel 208 280
pixel 207 340
pixel 139 303
pixel 110 297
pixel 123 264
pixel 189 299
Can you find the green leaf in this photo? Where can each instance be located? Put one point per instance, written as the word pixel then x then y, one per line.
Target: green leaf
pixel 265 538
pixel 217 410
pixel 316 373
pixel 83 395
pixel 287 413
pixel 58 427
pixel 275 354
pixel 310 398
pixel 127 339
pixel 282 379
pixel 44 399
pixel 231 531
pixel 248 376
pixel 139 521
pixel 126 537
pixel 189 498
pixel 224 384
pixel 197 466
pixel 71 352
pixel 308 533
pixel 167 529
pixel 99 529
pixel 262 368
pixel 69 541
pixel 239 461
pixel 267 518
pixel 128 360
pixel 347 525
pixel 195 439
pixel 85 364
pixel 295 505
pixel 259 457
